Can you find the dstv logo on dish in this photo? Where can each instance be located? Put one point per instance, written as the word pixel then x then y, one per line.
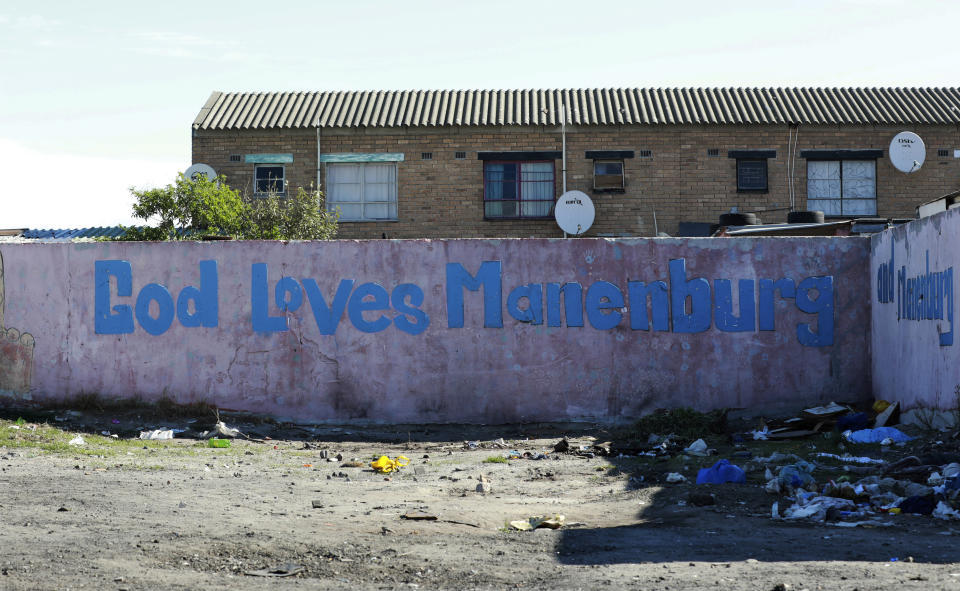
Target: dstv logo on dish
pixel 905 140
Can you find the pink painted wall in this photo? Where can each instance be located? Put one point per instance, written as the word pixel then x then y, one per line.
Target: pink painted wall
pixel 916 352
pixel 521 371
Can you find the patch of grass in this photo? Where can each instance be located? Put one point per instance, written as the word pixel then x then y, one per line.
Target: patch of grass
pixel 683 422
pixel 496 460
pixel 46 438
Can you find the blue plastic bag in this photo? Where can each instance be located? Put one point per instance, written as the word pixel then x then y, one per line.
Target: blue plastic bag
pixel 796 475
pixel 877 435
pixel 721 472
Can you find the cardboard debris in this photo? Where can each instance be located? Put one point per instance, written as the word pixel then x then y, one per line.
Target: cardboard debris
pixel 889 416
pixel 417 515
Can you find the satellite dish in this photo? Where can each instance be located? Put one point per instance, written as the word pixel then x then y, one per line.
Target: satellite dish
pixel 574 212
pixel 200 168
pixel 907 152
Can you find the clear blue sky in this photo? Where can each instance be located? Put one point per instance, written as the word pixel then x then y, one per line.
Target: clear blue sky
pixel 98 96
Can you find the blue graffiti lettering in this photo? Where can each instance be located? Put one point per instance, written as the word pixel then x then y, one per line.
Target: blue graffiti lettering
pixel 488 279
pixel 118 319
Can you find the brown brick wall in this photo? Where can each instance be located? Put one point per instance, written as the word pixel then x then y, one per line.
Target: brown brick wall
pixel 443 197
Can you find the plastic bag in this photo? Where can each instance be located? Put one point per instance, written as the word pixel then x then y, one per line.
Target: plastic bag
pixel 720 473
pixel 797 474
pixel 385 465
pixel 877 435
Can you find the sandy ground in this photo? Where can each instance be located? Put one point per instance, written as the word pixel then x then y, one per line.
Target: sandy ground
pixel 177 515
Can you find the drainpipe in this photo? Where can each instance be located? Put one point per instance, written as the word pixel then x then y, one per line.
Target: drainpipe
pixel 563 140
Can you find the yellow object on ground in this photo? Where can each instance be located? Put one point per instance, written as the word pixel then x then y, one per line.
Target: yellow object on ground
pixel 385 465
pixel 880 405
pixel 219 442
pixel 554 522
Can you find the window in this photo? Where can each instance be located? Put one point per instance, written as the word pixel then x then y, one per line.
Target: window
pixel 518 189
pixel 752 169
pixel 269 178
pixel 460 155
pixel 234 157
pixel 713 151
pixel 363 191
pixel 426 155
pixel 842 187
pixel 646 153
pixel 751 175
pixel 608 175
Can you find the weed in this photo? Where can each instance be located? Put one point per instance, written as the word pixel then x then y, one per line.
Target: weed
pixel 683 422
pixel 496 460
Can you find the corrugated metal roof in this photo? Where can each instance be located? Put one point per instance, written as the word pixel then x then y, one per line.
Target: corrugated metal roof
pixel 607 106
pixel 73 233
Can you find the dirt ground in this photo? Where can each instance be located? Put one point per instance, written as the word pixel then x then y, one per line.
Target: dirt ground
pixel 120 513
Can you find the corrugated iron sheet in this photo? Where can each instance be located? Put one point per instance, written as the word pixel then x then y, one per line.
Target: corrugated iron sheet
pixel 71 233
pixel 609 106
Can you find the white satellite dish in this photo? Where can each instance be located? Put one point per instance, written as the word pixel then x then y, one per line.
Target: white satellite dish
pixel 574 212
pixel 200 168
pixel 907 152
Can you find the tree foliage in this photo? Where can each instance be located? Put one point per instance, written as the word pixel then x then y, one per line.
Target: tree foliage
pixel 189 209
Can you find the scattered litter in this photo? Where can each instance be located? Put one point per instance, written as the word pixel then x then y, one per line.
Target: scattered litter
pixel 876 435
pixel 815 507
pixel 720 473
pixel 214 442
pixel 929 418
pixel 829 410
pixel 385 465
pixel 945 511
pixel 849 459
pixel 78 440
pixel 316 504
pixel 226 431
pixel 561 446
pixel 796 475
pixel 697 448
pixel 554 522
pixel 853 422
pixel 918 505
pixel 675 477
pixel 285 570
pixel 761 434
pixel 483 487
pixel 888 415
pixel 157 434
pixel 417 515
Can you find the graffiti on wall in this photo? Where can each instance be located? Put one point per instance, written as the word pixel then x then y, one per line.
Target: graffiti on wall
pixel 924 296
pixel 16 351
pixel 677 303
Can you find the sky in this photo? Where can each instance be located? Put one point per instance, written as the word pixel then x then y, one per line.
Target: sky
pixel 98 97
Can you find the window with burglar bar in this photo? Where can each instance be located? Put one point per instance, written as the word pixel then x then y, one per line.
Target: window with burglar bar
pixel 363 191
pixel 269 178
pixel 842 187
pixel 518 189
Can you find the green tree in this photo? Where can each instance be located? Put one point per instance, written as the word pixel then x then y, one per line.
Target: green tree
pixel 191 208
pixel 301 216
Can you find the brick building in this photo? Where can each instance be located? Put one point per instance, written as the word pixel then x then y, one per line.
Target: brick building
pixel 441 164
